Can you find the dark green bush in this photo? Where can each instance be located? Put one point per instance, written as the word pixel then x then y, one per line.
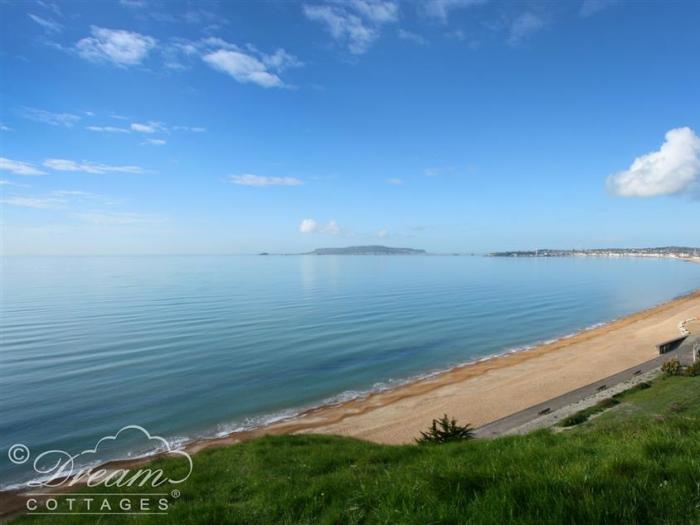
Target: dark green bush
pixel 446 430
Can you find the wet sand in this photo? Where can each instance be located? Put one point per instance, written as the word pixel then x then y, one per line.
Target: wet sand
pixel 483 392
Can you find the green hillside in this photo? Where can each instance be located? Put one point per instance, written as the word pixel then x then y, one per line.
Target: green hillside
pixel 638 462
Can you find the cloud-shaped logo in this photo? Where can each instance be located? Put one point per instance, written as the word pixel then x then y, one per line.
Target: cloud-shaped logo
pixel 58 467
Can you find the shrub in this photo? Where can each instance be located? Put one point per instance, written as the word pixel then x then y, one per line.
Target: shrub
pixel 446 430
pixel 672 367
pixel 694 369
pixel 575 419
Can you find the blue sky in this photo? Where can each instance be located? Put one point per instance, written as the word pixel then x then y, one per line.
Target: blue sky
pixel 146 126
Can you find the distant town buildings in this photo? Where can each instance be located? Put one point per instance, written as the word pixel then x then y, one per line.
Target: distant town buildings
pixel 676 252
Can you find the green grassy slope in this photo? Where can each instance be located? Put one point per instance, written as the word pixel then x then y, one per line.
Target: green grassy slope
pixel 638 462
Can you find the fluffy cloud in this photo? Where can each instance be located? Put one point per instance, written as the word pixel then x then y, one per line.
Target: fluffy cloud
pixel 246 64
pixel 242 67
pixel 18 167
pixel 47 117
pixel 440 9
pixel 395 181
pixel 354 23
pixel 311 226
pixel 523 26
pixel 257 180
pixel 308 226
pixel 120 47
pixel 673 169
pixel 88 167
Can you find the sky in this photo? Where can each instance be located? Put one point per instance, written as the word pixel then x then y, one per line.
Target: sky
pixel 166 127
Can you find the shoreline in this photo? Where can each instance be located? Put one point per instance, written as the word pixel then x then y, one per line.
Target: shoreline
pixel 348 417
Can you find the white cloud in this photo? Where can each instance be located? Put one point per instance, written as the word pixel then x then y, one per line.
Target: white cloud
pixel 120 47
pixel 133 3
pixel 379 11
pixel 34 202
pixel 257 180
pixel 412 37
pixel 591 7
pixel 49 25
pixel 281 60
pixel 382 233
pixel 354 23
pixel 155 142
pixel 308 226
pixel 18 167
pixel 673 169
pixel 440 9
pixel 431 172
pixel 147 127
pixel 311 226
pixel 242 67
pixel 107 129
pixel 523 26
pixel 48 117
pixel 394 180
pixel 3 127
pixel 246 64
pixel 88 167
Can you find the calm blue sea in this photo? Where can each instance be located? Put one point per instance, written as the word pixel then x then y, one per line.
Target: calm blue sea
pixel 197 346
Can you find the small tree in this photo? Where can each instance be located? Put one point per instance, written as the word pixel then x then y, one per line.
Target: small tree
pixel 446 430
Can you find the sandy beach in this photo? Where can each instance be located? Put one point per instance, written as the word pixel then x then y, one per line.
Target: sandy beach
pixel 489 390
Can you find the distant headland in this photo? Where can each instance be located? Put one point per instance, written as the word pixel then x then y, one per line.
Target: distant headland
pixel 367 250
pixel 359 250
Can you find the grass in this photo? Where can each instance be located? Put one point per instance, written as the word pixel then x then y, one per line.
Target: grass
pixel 601 406
pixel 638 463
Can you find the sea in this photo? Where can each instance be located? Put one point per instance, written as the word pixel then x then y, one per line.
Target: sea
pixel 192 347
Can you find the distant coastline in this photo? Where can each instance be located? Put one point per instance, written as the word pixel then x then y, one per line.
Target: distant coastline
pixel 670 252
